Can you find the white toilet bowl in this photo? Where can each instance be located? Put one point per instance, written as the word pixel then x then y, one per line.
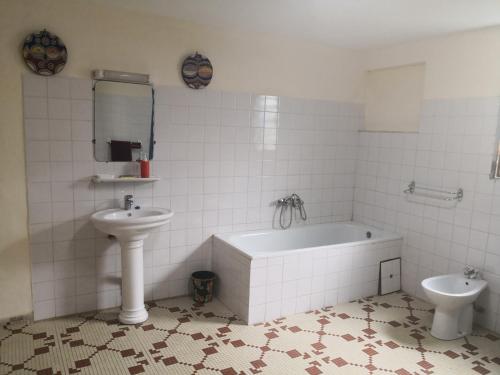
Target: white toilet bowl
pixel 453 296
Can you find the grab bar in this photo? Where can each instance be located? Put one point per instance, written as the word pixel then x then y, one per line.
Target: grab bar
pixel 455 195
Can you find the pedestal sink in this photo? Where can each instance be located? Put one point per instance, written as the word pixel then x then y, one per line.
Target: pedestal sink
pixel 131 227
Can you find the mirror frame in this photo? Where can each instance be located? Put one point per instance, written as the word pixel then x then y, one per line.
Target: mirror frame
pixel 495 164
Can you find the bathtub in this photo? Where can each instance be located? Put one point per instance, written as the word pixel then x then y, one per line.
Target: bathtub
pixel 264 275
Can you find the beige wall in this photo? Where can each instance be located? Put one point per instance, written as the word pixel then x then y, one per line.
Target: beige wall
pixel 101 37
pixel 461 65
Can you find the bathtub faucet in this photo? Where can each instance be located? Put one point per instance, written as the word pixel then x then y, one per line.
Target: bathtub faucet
pixel 290 203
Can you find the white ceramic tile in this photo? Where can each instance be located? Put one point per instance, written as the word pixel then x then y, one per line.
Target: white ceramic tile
pixel 60 151
pixel 86 302
pixel 40 233
pixel 61 171
pixel 43 291
pixel 82 151
pixel 86 285
pixel 41 252
pixel 65 289
pixel 60 129
pixel 34 85
pixel 58 87
pixel 81 130
pixel 65 306
pixel 62 211
pixel 39 192
pixel 80 88
pixel 108 299
pixel 63 250
pixel 273 310
pixel 41 272
pixel 37 151
pixel 62 191
pixel 59 108
pixel 40 213
pixel 81 110
pixel 36 129
pixel 82 170
pixel 44 309
pixel 38 171
pixel 64 269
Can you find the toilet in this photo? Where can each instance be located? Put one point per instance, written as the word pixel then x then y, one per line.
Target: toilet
pixel 453 296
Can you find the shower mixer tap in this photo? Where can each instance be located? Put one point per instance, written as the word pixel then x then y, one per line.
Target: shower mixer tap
pixel 290 203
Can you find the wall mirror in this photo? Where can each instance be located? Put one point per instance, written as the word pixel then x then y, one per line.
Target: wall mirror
pixel 123 120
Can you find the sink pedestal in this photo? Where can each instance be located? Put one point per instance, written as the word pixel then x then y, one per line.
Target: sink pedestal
pixel 133 310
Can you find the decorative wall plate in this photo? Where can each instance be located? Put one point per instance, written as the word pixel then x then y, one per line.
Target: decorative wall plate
pixel 197 71
pixel 44 53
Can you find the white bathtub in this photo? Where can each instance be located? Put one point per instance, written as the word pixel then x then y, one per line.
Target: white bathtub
pixel 264 275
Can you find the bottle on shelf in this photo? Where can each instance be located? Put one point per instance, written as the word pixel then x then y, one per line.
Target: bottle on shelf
pixel 144 162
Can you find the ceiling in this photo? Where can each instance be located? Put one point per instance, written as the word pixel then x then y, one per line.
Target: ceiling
pixel 346 23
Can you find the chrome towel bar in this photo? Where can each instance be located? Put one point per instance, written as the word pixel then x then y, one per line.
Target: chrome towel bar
pixel 427 192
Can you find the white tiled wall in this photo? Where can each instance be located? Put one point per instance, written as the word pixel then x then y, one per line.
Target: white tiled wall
pixel 223 158
pixel 267 288
pixel 453 148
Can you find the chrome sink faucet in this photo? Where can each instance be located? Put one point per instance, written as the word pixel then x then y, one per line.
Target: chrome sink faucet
pixel 471 272
pixel 129 201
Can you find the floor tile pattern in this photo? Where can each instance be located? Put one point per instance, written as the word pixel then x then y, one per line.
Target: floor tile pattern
pixel 376 335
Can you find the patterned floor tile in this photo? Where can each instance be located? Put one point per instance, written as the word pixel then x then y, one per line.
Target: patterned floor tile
pixel 376 335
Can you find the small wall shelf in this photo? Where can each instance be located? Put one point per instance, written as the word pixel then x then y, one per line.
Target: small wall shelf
pixel 97 179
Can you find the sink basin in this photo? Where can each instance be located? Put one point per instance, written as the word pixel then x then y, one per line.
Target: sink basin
pixel 129 223
pixel 131 227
